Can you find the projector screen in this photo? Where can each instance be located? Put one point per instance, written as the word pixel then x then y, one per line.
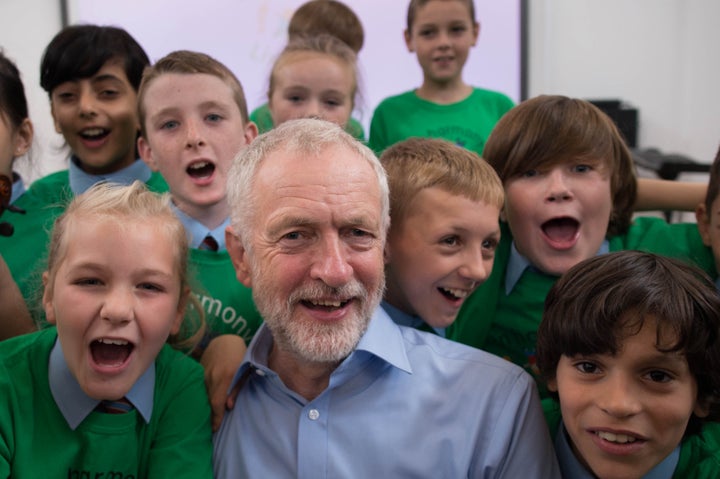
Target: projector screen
pixel 247 35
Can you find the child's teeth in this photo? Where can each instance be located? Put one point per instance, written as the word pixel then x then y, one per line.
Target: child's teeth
pixel 198 166
pixel 117 342
pixel 93 131
pixel 458 293
pixel 618 438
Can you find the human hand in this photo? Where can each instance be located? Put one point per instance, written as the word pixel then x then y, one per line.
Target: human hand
pixel 221 360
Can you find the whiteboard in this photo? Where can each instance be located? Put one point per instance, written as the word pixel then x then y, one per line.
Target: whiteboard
pixel 247 35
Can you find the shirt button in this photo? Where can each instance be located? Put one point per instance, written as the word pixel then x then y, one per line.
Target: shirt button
pixel 313 414
pixel 260 372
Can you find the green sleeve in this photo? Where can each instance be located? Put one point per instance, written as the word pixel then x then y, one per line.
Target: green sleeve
pixel 262 118
pixel 7 438
pixel 678 240
pixel 355 128
pixel 377 141
pixel 182 444
pixel 700 454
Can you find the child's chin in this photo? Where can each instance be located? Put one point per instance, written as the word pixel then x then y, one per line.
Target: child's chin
pixel 110 390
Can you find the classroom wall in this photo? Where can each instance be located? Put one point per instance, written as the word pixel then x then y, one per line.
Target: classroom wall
pixel 658 55
pixel 26 27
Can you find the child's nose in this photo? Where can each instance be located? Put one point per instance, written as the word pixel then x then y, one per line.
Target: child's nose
pixel 87 103
pixel 314 110
pixel 476 268
pixel 194 135
pixel 618 398
pixel 557 187
pixel 117 307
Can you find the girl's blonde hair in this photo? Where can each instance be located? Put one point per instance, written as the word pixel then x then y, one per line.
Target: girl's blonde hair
pixel 126 205
pixel 321 43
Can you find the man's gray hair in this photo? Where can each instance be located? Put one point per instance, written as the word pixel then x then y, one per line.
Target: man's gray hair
pixel 304 137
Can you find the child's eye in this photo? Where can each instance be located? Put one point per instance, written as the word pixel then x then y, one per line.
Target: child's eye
pixel 587 367
pixel 490 244
pixel 529 174
pixel 169 125
pixel 294 98
pixel 87 282
pixel 213 117
pixel 582 168
pixel 333 102
pixel 426 32
pixel 65 96
pixel 450 240
pixel 458 29
pixel 658 376
pixel 150 287
pixel 108 94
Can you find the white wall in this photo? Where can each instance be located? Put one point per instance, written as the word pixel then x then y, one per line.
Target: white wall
pixel 26 26
pixel 658 55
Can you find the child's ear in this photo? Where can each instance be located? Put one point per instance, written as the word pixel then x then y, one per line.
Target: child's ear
pixel 552 385
pixel 503 216
pixel 476 32
pixel 239 256
pixel 386 253
pixel 146 153
pixel 408 41
pixel 703 223
pixel 23 138
pixel 251 132
pixel 47 300
pixel 56 123
pixel 702 407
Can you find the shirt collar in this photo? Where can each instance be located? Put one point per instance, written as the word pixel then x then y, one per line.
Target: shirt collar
pixel 80 181
pixel 517 264
pixel 196 231
pixel 18 187
pixel 382 339
pixel 75 405
pixel 570 466
pixel 404 319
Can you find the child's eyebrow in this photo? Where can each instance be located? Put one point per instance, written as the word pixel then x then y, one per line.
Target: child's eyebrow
pixel 214 104
pixel 106 77
pixel 96 268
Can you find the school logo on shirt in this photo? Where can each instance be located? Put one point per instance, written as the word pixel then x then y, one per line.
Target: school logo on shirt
pixel 224 318
pixel 460 135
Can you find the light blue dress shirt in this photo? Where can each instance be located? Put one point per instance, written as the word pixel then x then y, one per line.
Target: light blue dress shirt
pixel 196 231
pixel 404 404
pixel 75 405
pixel 81 181
pixel 571 467
pixel 18 188
pixel 517 264
pixel 404 319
